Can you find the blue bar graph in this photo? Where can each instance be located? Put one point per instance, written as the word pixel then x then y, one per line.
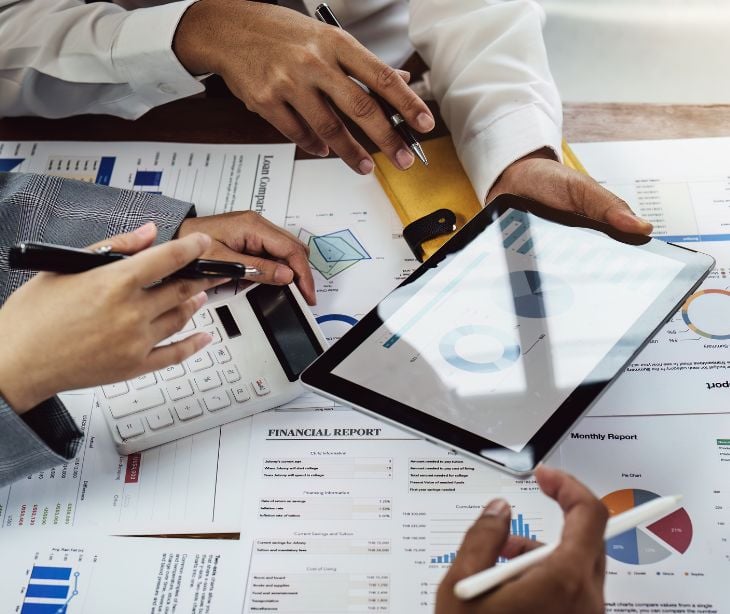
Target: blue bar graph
pixel 52 585
pixel 523 224
pixel 48 591
pixel 8 164
pixel 50 573
pixel 522 529
pixel 43 608
pixel 147 179
pixel 104 172
pixel 449 557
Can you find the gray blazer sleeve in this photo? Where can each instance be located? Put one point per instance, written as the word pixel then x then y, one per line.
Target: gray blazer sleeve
pixel 43 437
pixel 56 210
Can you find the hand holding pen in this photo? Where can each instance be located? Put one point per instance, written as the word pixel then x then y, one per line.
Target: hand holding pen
pixel 562 578
pixel 104 325
pixel 325 15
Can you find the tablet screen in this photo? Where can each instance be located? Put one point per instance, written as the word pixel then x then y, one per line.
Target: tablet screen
pixel 498 335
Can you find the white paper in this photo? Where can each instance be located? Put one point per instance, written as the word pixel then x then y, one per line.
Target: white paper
pixel 683 188
pixel 192 485
pixel 683 558
pixel 326 198
pixel 216 178
pixel 342 505
pixel 76 573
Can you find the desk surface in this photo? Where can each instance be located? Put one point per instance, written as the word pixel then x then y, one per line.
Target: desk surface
pixel 225 120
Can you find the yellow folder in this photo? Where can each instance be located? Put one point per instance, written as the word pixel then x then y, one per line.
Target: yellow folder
pixel 442 185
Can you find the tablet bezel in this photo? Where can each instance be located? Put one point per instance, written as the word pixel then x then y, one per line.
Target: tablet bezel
pixel 319 376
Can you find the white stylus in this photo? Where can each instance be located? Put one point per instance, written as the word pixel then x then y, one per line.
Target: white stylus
pixel 481 582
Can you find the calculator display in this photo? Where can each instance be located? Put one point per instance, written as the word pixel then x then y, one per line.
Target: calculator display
pixel 286 328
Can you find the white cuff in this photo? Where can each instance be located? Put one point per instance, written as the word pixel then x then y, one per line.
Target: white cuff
pixel 488 153
pixel 142 53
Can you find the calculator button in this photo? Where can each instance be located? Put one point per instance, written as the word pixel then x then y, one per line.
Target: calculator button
pixel 261 386
pixel 208 381
pixel 222 355
pixel 130 428
pixel 144 381
pixel 216 400
pixel 199 362
pixel 160 418
pixel 180 390
pixel 203 318
pixel 215 335
pixel 143 399
pixel 172 372
pixel 241 394
pixel 189 325
pixel 115 390
pixel 231 374
pixel 188 409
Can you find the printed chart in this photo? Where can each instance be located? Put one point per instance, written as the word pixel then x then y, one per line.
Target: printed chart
pixel 653 543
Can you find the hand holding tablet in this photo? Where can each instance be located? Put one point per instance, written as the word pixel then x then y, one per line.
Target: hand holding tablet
pixel 502 340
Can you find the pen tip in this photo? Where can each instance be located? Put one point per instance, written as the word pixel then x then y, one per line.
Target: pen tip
pixel 418 150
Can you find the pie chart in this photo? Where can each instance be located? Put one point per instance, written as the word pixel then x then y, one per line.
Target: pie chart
pixel 652 543
pixel 538 295
pixel 705 313
pixel 479 349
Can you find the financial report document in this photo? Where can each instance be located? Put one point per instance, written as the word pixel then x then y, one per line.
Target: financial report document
pixel 683 188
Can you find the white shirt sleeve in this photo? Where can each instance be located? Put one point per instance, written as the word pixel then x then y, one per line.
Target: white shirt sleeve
pixel 64 57
pixel 490 76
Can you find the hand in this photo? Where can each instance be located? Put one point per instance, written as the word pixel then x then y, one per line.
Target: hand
pixel 541 177
pixel 250 239
pixel 291 69
pixel 62 332
pixel 569 581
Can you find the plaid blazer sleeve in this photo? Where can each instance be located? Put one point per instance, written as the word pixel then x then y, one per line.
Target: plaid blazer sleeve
pixel 65 212
pixel 56 210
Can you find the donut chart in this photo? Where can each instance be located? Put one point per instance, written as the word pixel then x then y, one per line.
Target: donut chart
pixel 705 313
pixel 652 543
pixel 506 355
pixel 335 325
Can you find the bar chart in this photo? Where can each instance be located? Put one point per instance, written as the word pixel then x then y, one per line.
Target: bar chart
pixel 148 181
pixel 520 526
pixel 50 589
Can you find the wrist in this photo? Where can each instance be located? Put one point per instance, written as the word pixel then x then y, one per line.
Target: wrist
pixel 192 43
pixel 17 389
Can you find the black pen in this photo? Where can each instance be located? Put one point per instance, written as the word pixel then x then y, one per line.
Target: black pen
pixel 60 259
pixel 324 13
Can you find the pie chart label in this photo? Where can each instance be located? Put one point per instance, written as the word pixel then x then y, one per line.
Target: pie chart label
pixel 655 542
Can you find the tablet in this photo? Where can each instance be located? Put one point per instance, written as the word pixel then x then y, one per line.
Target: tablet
pixel 503 339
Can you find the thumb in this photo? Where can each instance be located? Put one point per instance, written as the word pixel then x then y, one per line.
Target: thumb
pixel 130 242
pixel 482 543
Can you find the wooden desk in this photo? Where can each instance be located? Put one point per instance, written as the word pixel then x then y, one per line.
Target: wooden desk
pixel 225 120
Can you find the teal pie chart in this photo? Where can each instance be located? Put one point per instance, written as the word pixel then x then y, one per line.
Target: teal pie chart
pixel 479 349
pixel 537 295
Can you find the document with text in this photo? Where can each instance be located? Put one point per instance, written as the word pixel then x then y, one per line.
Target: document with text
pixel 683 188
pixel 79 573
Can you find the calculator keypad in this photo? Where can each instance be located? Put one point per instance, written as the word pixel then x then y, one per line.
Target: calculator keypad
pixel 168 395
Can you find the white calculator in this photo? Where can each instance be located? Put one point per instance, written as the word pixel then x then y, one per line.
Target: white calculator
pixel 263 338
